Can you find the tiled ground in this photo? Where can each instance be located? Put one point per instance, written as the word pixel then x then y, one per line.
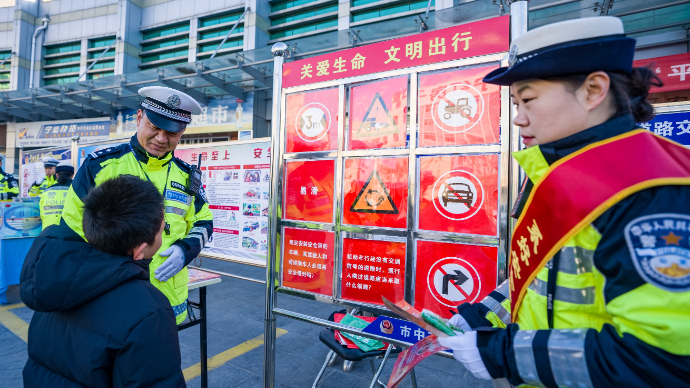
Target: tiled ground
pixel 236 315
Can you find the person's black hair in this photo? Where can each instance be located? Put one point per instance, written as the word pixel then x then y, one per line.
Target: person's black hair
pixel 64 178
pixel 629 91
pixel 121 214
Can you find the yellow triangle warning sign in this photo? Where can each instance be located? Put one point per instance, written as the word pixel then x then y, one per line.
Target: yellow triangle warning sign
pixel 377 121
pixel 374 197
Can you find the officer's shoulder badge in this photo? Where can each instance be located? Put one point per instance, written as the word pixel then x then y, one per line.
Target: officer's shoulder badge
pixel 184 165
pixel 105 152
pixel 659 245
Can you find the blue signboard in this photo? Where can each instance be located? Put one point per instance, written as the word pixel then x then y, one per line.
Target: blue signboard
pixel 396 329
pixel 674 126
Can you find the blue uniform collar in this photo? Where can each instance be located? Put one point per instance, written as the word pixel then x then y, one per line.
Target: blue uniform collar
pixel 558 149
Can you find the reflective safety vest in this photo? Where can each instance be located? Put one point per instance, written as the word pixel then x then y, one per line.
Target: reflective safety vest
pixel 189 217
pixel 37 190
pixel 52 203
pixel 9 185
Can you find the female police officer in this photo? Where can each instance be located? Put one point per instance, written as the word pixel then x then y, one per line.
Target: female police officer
pixel 599 286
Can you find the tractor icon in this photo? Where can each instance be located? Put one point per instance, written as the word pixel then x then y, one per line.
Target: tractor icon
pixel 460 107
pixel 458 192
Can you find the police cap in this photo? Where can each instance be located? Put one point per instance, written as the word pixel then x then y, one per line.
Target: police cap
pixel 578 46
pixel 50 161
pixel 64 166
pixel 167 108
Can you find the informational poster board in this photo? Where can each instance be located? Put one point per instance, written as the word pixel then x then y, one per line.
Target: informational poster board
pixel 83 151
pixel 20 219
pixel 31 167
pixel 671 122
pixel 236 177
pixel 399 153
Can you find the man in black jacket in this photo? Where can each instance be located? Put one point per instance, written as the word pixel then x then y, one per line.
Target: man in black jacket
pixel 99 322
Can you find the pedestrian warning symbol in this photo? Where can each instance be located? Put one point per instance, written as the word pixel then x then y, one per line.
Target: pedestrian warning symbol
pixel 453 281
pixel 374 197
pixel 377 121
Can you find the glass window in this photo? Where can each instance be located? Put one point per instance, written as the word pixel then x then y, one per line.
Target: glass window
pixel 389 10
pixel 103 65
pixel 303 29
pixel 65 48
pixel 100 75
pixel 4 75
pixel 165 31
pixel 226 45
pixel 217 33
pixel 356 3
pixel 168 43
pixel 110 53
pixel 56 61
pixel 212 21
pixel 304 15
pixel 288 4
pixel 105 42
pixel 5 86
pixel 63 70
pixel 61 81
pixel 172 54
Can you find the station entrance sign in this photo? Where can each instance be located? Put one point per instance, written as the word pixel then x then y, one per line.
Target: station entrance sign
pixel 375 192
pixel 459 194
pixel 457 108
pixel 312 121
pixel 448 275
pixel 308 260
pixel 309 190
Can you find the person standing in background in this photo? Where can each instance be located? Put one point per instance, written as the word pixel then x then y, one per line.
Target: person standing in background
pixel 38 187
pixel 53 199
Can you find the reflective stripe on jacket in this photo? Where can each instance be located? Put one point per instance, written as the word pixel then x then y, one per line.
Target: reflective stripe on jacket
pixel 37 190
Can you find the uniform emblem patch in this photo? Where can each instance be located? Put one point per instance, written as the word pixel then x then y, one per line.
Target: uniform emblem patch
pixel 173 101
pixel 177 197
pixel 660 249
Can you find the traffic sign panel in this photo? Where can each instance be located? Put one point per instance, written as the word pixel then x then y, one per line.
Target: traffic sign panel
pixel 308 260
pixel 457 108
pixel 309 190
pixel 375 192
pixel 312 121
pixel 448 275
pixel 378 114
pixel 459 194
pixel 372 269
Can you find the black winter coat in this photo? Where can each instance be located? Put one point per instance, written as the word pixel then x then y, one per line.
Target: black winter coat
pixel 98 321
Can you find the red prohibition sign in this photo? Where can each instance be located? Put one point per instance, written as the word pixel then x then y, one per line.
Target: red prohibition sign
pixel 453 281
pixel 458 195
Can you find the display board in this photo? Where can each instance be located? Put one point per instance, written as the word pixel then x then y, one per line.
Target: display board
pixel 31 166
pixel 20 219
pixel 393 155
pixel 236 177
pixel 83 151
pixel 671 122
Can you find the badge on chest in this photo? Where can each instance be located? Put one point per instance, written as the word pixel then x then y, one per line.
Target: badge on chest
pixel 176 196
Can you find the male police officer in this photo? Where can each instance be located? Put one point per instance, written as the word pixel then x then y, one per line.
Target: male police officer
pixel 53 199
pixel 9 187
pixel 38 187
pixel 149 155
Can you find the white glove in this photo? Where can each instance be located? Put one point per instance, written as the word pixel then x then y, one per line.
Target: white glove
pixel 465 350
pixel 172 265
pixel 458 321
pixel 39 181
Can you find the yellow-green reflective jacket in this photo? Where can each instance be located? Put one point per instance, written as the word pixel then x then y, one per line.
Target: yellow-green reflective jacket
pixel 37 189
pixel 9 187
pixel 619 318
pixel 191 221
pixel 52 204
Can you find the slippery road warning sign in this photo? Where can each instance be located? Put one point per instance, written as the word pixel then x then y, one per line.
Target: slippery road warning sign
pixel 309 190
pixel 448 275
pixel 459 194
pixel 312 121
pixel 378 114
pixel 375 192
pixel 457 108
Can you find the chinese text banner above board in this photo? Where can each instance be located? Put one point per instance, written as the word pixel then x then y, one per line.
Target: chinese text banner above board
pixel 236 179
pixel 463 41
pixel 220 115
pixel 32 168
pixel 60 133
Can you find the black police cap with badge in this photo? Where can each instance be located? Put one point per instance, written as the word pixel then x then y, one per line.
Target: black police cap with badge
pixel 168 109
pixel 579 46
